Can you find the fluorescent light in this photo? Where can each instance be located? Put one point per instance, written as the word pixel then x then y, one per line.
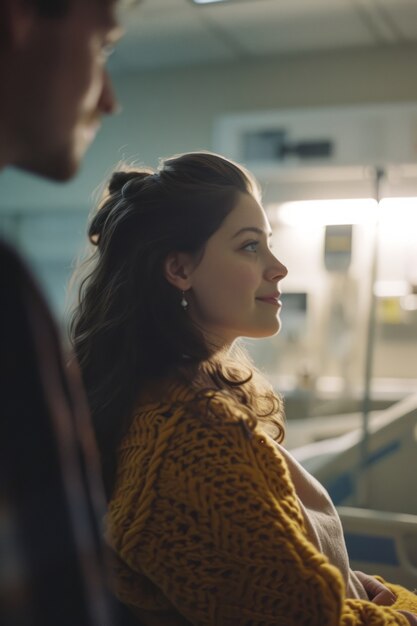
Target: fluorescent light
pixel 399 211
pixel 326 212
pixel 395 214
pixel 208 1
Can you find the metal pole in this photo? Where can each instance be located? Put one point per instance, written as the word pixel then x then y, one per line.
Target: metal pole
pixel 361 481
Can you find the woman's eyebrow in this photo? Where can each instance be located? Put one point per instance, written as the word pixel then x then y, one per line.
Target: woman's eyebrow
pixel 253 229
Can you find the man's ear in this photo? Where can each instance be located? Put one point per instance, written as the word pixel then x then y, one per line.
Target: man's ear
pixel 17 18
pixel 178 268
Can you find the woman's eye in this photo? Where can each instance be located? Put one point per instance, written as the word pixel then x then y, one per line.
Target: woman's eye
pixel 252 246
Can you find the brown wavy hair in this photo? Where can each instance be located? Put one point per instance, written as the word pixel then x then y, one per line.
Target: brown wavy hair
pixel 128 327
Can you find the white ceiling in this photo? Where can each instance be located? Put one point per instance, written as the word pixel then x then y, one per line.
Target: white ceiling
pixel 172 33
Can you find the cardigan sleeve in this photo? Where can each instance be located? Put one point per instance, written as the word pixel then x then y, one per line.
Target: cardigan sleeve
pixel 220 533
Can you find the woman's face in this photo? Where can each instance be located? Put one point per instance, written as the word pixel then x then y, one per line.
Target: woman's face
pixel 235 287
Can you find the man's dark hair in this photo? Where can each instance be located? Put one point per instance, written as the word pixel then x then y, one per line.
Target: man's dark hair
pixel 51 8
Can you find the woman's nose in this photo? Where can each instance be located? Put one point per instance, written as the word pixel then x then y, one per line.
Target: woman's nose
pixel 277 270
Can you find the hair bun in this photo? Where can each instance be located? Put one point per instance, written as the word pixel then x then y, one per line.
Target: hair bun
pixel 116 188
pixel 120 179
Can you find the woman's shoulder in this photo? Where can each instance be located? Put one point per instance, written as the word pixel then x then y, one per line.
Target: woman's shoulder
pixel 179 402
pixel 184 426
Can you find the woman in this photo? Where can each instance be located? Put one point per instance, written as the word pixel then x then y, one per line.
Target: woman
pixel 210 521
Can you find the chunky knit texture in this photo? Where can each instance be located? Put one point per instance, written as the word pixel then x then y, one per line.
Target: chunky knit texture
pixel 205 526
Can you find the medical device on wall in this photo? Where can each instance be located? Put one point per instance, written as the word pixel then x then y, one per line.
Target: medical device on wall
pixel 344 136
pixel 337 247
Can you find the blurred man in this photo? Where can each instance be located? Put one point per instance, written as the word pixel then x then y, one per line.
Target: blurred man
pixel 54 84
pixel 54 92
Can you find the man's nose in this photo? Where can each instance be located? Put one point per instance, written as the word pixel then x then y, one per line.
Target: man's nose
pixel 108 103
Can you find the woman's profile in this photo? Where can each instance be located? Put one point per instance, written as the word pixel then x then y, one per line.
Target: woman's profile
pixel 210 520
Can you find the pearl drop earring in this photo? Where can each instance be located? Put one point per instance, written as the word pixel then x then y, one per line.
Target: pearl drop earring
pixel 184 302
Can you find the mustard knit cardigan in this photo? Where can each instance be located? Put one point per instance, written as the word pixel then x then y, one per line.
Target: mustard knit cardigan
pixel 205 528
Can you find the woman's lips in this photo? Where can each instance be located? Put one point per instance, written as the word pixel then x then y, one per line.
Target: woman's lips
pixel 271 300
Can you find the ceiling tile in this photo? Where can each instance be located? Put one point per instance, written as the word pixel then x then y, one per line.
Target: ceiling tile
pixel 267 26
pixel 164 38
pixel 403 16
pixel 167 33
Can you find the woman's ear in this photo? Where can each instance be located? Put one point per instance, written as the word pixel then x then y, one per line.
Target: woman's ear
pixel 178 268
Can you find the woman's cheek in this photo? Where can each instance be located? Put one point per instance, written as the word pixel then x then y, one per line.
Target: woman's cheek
pixel 247 278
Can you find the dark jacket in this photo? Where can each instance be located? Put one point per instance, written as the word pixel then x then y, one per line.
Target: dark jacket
pixel 51 556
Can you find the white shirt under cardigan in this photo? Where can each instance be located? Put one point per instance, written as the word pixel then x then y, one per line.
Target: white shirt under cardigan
pixel 323 523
